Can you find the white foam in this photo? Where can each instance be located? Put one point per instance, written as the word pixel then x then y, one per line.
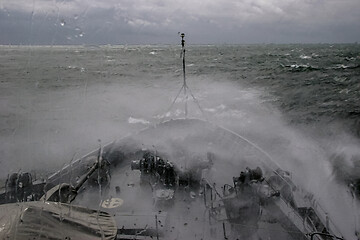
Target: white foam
pixel 132 120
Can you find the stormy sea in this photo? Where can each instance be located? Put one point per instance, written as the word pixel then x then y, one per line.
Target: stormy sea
pixel 300 103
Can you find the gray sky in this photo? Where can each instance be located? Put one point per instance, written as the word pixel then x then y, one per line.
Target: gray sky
pixel 159 21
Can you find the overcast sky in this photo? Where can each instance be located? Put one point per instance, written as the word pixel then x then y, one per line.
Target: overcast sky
pixel 158 21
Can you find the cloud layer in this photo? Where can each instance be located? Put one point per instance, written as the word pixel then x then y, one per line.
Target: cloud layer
pixel 158 21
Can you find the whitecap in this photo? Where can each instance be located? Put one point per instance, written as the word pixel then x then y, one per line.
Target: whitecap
pixel 216 109
pixel 132 120
pixel 341 66
pixel 299 66
pixel 210 109
pixel 305 57
pixel 314 55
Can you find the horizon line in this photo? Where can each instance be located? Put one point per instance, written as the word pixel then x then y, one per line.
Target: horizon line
pixel 173 44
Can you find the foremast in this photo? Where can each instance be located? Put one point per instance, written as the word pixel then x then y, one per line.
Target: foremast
pixel 185 88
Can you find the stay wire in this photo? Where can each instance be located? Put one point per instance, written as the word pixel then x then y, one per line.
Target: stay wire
pixel 172 104
pixel 197 103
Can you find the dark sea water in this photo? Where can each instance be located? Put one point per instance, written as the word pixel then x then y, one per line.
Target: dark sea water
pixel 309 83
pixel 300 103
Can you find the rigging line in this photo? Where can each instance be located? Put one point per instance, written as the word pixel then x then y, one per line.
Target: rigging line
pixel 172 104
pixel 198 104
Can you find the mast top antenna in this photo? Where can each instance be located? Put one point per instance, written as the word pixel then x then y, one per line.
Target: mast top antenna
pixel 182 35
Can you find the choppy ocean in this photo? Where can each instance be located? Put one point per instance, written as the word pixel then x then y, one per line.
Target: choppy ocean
pixel 298 102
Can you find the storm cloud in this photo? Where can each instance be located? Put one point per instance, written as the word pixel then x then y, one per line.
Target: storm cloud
pixel 159 21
